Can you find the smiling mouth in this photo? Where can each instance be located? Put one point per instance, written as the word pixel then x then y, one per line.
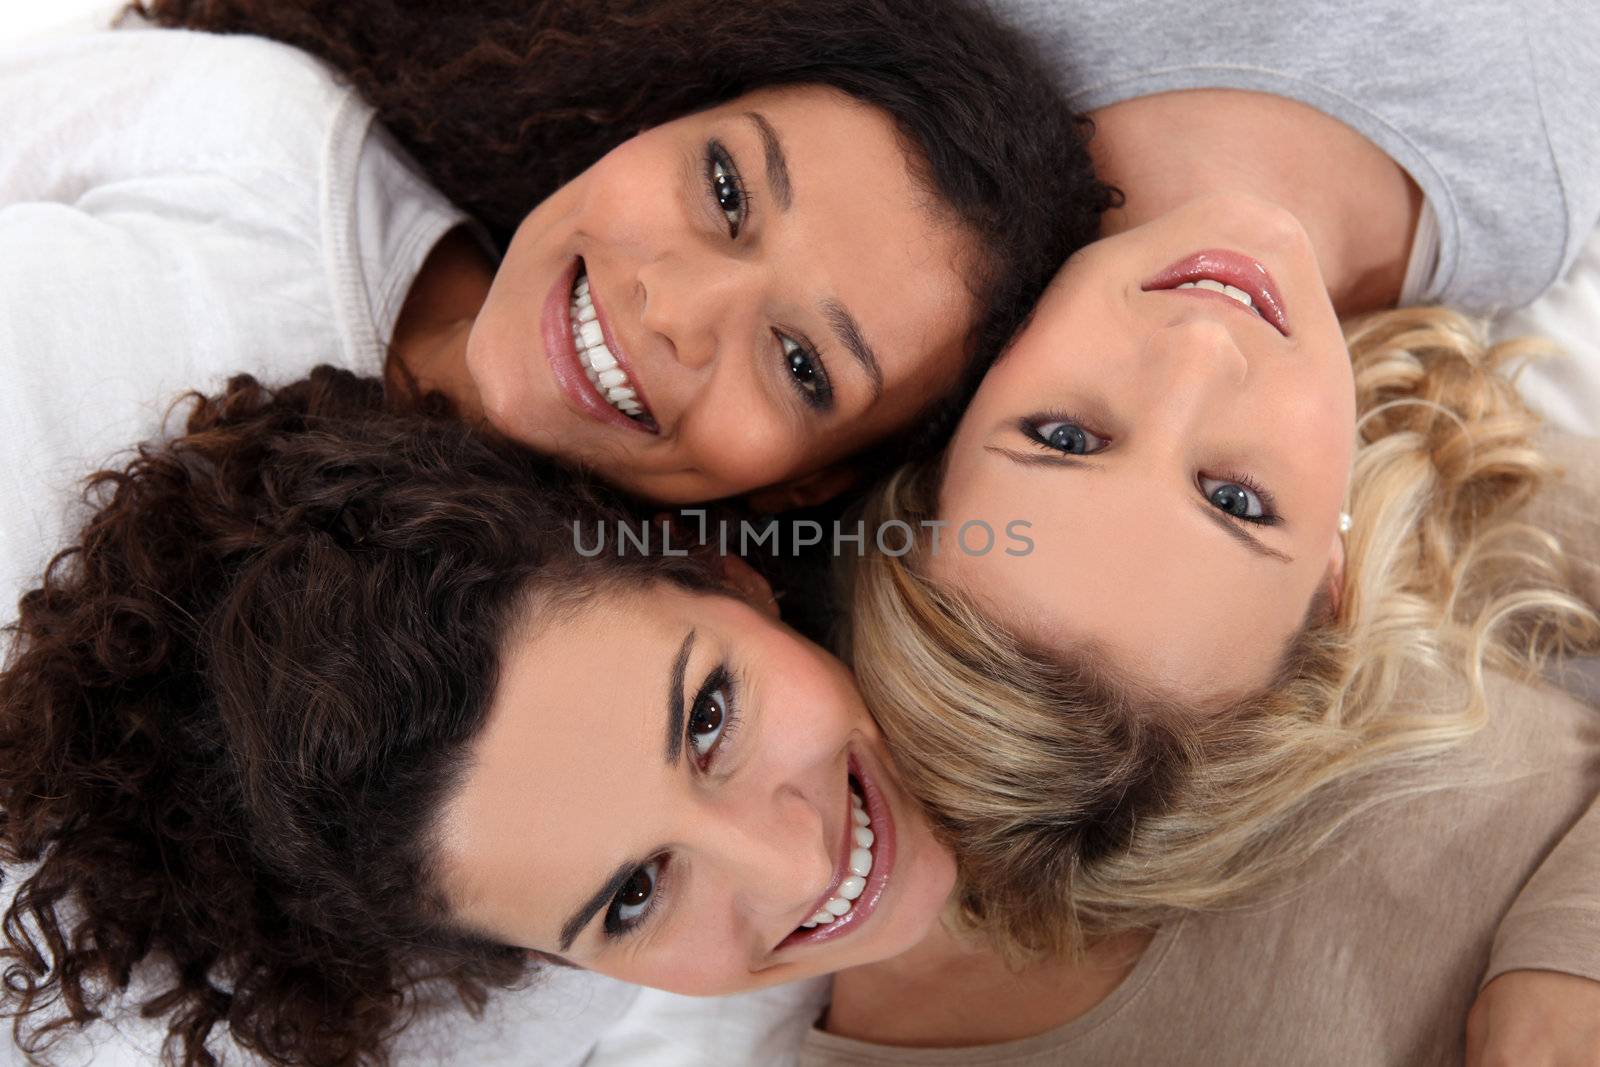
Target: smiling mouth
pixel 1231 275
pixel 863 871
pixel 841 900
pixel 600 365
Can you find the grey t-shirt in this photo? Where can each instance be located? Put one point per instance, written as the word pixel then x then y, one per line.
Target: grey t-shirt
pixel 1493 107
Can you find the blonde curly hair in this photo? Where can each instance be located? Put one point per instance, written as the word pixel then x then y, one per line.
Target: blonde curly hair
pixel 1080 807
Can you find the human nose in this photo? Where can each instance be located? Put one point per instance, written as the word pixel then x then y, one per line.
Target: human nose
pixel 777 854
pixel 1191 366
pixel 696 303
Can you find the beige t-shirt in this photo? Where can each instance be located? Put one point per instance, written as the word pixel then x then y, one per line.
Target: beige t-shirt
pixel 1375 957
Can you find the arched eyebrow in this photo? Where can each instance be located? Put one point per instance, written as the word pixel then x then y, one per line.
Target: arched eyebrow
pixel 848 331
pixel 778 180
pixel 675 705
pixel 585 912
pixel 1243 536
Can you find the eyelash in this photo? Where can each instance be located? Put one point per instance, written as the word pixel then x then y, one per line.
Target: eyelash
pixel 1029 425
pixel 718 158
pixel 822 399
pixel 616 929
pixel 1268 505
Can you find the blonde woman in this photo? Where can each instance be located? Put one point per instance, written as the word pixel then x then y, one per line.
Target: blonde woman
pixel 1230 778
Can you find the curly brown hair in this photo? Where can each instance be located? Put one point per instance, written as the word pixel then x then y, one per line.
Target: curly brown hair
pixel 232 711
pixel 504 101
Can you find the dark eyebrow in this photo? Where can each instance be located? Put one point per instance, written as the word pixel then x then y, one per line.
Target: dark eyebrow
pixel 1241 535
pixel 602 896
pixel 777 165
pixel 848 330
pixel 675 708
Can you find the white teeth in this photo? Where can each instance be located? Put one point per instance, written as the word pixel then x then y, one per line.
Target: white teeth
pixel 1221 287
pixel 597 361
pixel 851 887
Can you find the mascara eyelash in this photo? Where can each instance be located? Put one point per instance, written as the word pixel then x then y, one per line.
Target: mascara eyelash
pixel 615 930
pixel 717 155
pixel 1268 502
pixel 1029 426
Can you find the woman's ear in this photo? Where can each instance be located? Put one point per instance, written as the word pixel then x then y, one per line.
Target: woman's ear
pixel 809 490
pixel 748 584
pixel 1333 578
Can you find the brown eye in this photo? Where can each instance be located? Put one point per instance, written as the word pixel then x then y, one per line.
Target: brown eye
pixel 706 721
pixel 633 899
pixel 727 188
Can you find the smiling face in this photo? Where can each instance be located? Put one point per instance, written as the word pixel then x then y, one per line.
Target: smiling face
pixel 729 301
pixel 1182 454
pixel 667 793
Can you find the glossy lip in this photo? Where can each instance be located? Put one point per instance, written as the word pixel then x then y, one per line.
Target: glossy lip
pixel 883 847
pixel 582 397
pixel 1230 268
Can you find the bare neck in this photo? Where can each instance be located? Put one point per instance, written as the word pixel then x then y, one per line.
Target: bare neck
pixel 1359 206
pixel 429 349
pixel 952 991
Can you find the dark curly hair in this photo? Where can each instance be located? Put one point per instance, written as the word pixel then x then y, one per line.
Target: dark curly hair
pixel 232 711
pixel 504 101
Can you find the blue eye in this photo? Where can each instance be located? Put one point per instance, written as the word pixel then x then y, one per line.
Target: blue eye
pixel 727 188
pixel 1238 498
pixel 1067 436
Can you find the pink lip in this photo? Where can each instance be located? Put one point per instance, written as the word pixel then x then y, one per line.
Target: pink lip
pixel 582 397
pixel 882 827
pixel 1230 268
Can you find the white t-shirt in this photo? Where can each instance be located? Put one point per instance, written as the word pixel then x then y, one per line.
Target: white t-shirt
pixel 176 208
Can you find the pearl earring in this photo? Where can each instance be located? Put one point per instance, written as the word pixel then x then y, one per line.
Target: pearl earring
pixel 1344 522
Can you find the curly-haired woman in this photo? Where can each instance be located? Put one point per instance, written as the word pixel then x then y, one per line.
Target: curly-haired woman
pixel 330 711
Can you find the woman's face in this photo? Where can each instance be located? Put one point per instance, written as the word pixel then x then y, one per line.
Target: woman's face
pixel 1182 456
pixel 663 794
pixel 730 301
